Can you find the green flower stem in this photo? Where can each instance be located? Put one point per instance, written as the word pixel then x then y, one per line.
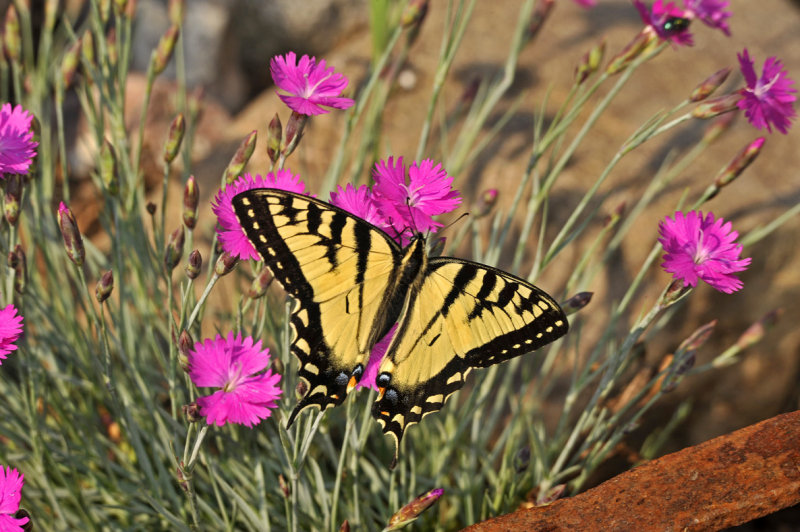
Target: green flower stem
pixel 337 485
pixel 201 301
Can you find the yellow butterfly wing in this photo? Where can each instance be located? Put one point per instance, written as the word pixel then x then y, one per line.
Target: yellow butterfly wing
pixel 464 315
pixel 338 268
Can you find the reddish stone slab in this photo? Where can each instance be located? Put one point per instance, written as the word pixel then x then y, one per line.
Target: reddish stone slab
pixel 723 482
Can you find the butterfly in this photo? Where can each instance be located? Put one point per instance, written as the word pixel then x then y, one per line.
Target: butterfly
pixel 353 282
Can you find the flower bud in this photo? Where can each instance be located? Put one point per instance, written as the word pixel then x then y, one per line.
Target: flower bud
pixel 163 52
pixel 104 7
pixel 192 412
pixel 414 13
pixel 191 198
pixel 120 6
pixel 717 127
pixel 294 132
pixel 175 10
pixel 756 331
pixel 174 249
pixel 411 511
pixel 20 267
pixel 12 39
pixel 698 337
pixel 274 137
pixel 185 345
pixel 590 62
pixel 174 138
pixel 108 168
pixel 674 293
pixel 181 476
pixel 485 202
pixel 151 208
pixel 73 242
pixel 739 163
pixel 277 365
pixel 345 526
pixel 632 50
pixel 70 62
pixel 260 284
pixel 538 18
pixel 87 49
pixel 225 264
pixel 12 197
pixel 551 495
pixel 709 85
pixel 104 286
pixel 522 459
pixel 717 106
pixel 240 158
pixel 576 302
pixel 51 12
pixel 300 389
pixel 284 486
pixel 194 264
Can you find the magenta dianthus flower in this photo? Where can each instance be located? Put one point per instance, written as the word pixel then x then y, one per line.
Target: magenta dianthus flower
pixel 11 482
pixel 767 101
pixel 235 365
pixel 17 147
pixel 359 202
pixel 586 3
pixel 310 84
pixel 698 247
pixel 667 21
pixel 375 358
pixel 10 331
pixel 710 12
pixel 408 201
pixel 229 231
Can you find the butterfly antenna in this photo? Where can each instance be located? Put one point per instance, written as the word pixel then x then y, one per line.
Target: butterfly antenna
pixel 454 222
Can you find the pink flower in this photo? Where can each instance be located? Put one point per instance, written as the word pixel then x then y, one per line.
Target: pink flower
pixel 711 12
pixel 586 3
pixel 229 232
pixel 11 482
pixel 17 147
pixel 769 99
pixel 233 365
pixel 667 21
pixel 375 358
pixel 702 248
pixel 310 85
pixel 409 203
pixel 358 202
pixel 10 330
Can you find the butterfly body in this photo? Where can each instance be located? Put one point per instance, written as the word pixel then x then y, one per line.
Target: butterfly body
pixel 353 282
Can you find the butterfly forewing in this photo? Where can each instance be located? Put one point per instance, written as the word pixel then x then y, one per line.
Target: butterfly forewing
pixel 482 316
pixel 337 267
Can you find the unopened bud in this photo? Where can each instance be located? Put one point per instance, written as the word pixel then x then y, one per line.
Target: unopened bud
pixel 181 476
pixel 194 264
pixel 411 511
pixel 174 249
pixel 191 198
pixel 698 337
pixel 590 62
pixel 300 389
pixel 756 331
pixel 294 132
pixel 108 167
pixel 185 345
pixel 151 208
pixel 120 6
pixel 20 268
pixel 538 18
pixel 414 13
pixel 709 85
pixel 284 487
pixel 576 302
pixel 12 197
pixel 87 48
pixel 717 106
pixel 240 158
pixel 51 12
pixel 70 62
pixel 632 50
pixel 485 203
pixel 277 366
pixel 163 52
pixel 104 7
pixel 260 284
pixel 674 293
pixel 191 412
pixel 174 138
pixel 175 10
pixel 225 264
pixel 274 137
pixel 522 459
pixel 739 163
pixel 551 495
pixel 104 286
pixel 345 526
pixel 73 242
pixel 12 39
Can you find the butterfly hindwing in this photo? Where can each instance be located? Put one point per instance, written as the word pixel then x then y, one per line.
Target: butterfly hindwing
pixel 482 316
pixel 337 267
